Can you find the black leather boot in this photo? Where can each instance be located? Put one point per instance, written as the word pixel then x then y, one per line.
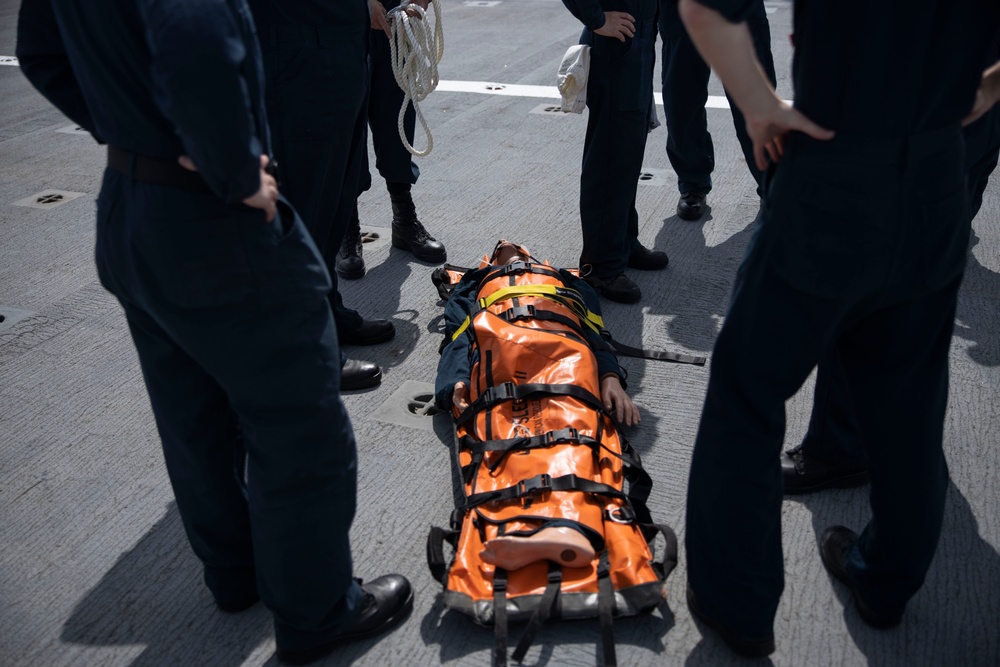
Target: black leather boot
pixel 350 262
pixel 407 232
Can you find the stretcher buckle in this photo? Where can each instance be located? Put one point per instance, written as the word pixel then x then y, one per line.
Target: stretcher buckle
pixel 539 483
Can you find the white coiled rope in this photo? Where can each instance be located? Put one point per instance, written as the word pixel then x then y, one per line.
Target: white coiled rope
pixel 416 50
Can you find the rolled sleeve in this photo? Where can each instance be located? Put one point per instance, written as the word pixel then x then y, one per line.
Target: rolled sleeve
pixel 734 11
pixel 43 60
pixel 588 12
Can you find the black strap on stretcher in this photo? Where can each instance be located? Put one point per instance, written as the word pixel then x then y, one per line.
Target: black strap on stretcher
pixel 606 610
pixel 527 488
pixel 665 566
pixel 515 268
pixel 477 448
pixel 656 355
pixel 442 282
pixel 435 551
pixel 508 391
pixel 542 611
pixel 499 617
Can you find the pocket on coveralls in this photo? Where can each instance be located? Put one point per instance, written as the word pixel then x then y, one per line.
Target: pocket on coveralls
pixel 197 264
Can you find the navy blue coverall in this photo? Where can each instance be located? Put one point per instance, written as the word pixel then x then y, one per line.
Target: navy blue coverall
pixel 684 76
pixel 228 312
pixel 833 434
pixel 860 249
pixel 316 65
pixel 619 97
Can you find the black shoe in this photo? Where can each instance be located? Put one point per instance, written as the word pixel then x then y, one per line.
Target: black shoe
pixel 691 206
pixel 407 232
pixel 388 600
pixel 237 605
pixel 806 474
pixel 356 374
pixel 745 646
pixel 371 332
pixel 350 258
pixel 618 288
pixel 644 259
pixel 833 547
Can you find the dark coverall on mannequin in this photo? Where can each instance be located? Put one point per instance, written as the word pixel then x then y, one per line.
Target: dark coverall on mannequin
pixel 619 98
pixel 228 312
pixel 684 76
pixel 860 248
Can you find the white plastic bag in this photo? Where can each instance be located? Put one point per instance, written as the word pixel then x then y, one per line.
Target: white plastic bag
pixel 572 78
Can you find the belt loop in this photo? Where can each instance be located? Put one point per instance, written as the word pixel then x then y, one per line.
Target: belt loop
pixel 132 161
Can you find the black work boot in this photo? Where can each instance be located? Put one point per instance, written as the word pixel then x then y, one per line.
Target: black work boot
pixel 407 232
pixel 350 262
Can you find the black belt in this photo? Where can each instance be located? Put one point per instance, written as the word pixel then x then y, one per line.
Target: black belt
pixel 155 171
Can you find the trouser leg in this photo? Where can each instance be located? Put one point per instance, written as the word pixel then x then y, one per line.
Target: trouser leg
pixel 233 326
pixel 316 105
pixel 900 381
pixel 833 435
pixel 393 161
pixel 733 524
pixel 684 78
pixel 201 447
pixel 618 96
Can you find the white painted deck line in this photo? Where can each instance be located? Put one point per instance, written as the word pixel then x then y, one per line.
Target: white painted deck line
pixel 493 88
pixel 543 92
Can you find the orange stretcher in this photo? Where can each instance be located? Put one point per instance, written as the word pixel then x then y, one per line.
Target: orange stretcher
pixel 537 450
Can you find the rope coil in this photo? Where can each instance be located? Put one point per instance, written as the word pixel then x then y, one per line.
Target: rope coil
pixel 416 50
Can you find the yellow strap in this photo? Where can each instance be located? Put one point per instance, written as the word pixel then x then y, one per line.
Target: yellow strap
pixel 564 295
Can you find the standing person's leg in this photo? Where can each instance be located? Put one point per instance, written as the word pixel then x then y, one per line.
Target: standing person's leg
pixel 201 447
pixel 896 363
pixel 316 96
pixel 831 454
pixel 772 337
pixel 194 294
pixel 684 78
pixel 792 294
pixel 619 91
pixel 606 194
pixel 896 367
pixel 351 257
pixel 393 161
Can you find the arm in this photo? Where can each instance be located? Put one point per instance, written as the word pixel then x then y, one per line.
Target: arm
pixel 620 25
pixel 198 63
pixel 615 399
pixel 378 16
pixel 612 377
pixel 987 95
pixel 728 48
pixel 44 62
pixel 454 367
